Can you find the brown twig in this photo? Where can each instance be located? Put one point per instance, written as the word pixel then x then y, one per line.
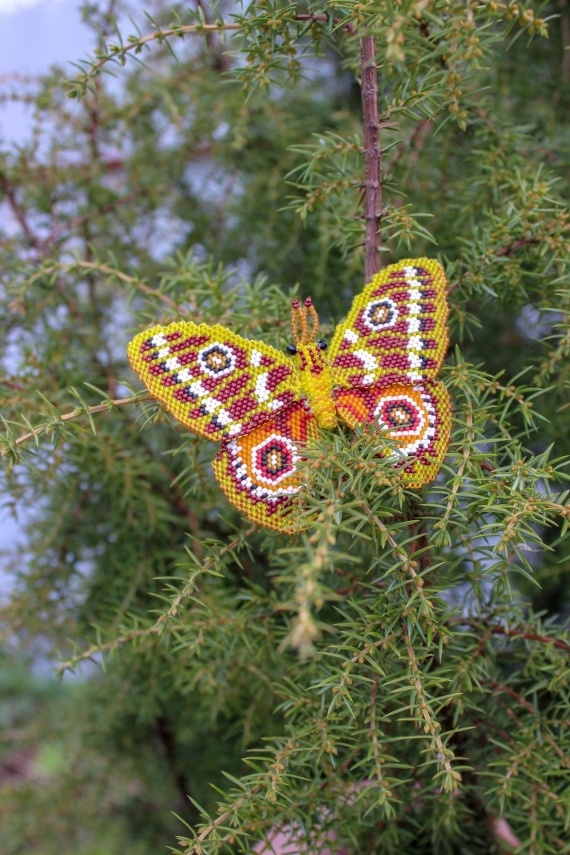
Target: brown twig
pixel 367 651
pixel 431 726
pixel 11 384
pixel 530 636
pixel 372 158
pixel 10 193
pixel 497 629
pixel 509 248
pixel 409 564
pixel 199 29
pixel 498 688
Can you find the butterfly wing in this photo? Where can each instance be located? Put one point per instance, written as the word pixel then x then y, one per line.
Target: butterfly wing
pixel 384 360
pixel 396 329
pixel 417 417
pixel 258 470
pixel 213 381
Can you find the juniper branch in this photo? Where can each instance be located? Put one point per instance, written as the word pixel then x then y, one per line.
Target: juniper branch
pixel 372 158
pixel 75 414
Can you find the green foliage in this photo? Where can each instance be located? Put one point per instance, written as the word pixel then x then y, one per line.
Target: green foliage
pixel 395 679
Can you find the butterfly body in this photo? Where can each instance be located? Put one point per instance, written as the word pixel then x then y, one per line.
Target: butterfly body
pixel 264 406
pixel 316 383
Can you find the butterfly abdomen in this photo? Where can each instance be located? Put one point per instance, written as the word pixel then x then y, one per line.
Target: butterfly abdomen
pixel 316 383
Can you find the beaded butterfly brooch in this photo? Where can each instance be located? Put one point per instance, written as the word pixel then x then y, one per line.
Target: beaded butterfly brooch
pixel 264 406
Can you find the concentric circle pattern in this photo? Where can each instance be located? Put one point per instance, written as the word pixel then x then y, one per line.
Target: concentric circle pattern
pixel 380 314
pixel 217 360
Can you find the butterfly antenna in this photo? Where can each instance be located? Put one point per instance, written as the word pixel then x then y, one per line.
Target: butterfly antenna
pixel 300 318
pixel 297 319
pixel 311 314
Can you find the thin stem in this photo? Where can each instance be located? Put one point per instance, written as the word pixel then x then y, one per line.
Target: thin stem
pixel 431 725
pixel 374 646
pixel 408 564
pixel 509 248
pixel 96 649
pixel 80 411
pixel 459 479
pixel 105 269
pixel 223 818
pixel 528 635
pixel 190 585
pixel 160 35
pixel 372 158
pixel 19 213
pixel 200 29
pixel 130 280
pixel 374 731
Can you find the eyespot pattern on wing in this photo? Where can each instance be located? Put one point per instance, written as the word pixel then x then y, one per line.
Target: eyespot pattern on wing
pixel 396 329
pixel 213 381
pixel 258 470
pixel 417 418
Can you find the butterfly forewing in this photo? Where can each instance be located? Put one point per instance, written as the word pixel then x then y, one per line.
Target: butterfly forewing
pixel 396 329
pixel 213 381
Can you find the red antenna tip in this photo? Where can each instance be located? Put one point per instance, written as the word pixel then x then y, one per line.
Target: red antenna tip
pixel 308 302
pixel 295 304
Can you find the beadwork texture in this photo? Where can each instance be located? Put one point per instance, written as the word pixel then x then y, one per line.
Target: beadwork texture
pixel 264 406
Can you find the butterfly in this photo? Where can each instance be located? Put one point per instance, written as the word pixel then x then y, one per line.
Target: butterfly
pixel 264 406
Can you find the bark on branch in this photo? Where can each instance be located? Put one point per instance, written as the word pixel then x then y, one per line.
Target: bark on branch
pixel 372 158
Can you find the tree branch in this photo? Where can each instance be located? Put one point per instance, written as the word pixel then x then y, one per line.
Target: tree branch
pixel 134 281
pixel 19 213
pixel 189 587
pixel 157 35
pixel 529 635
pixel 76 413
pixel 431 726
pixel 372 158
pixel 517 244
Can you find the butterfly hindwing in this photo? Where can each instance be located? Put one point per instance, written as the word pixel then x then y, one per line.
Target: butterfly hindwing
pixel 213 381
pixel 396 329
pixel 258 470
pixel 416 417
